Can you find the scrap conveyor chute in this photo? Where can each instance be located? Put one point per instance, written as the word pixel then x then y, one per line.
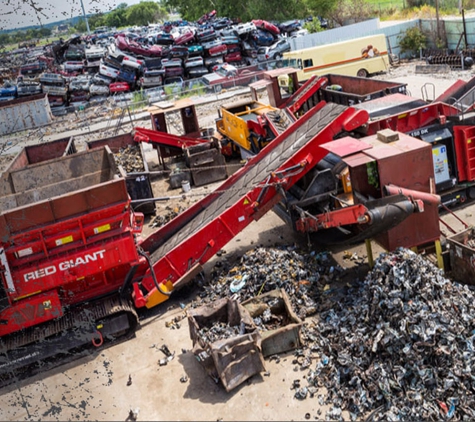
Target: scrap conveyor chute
pixel 165 139
pixel 178 249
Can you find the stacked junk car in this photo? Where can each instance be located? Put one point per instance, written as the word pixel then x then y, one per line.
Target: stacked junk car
pixel 121 62
pixel 78 268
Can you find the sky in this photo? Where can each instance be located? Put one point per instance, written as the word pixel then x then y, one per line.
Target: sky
pixel 16 14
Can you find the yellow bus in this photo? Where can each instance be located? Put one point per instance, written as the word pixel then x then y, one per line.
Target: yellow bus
pixel 358 57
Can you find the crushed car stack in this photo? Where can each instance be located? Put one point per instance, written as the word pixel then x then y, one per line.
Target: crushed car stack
pixel 151 57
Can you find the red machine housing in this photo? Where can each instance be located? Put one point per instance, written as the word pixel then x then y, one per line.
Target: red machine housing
pixel 64 251
pixel 374 163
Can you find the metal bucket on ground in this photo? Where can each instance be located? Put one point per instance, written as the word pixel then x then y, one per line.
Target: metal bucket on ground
pixel 185 186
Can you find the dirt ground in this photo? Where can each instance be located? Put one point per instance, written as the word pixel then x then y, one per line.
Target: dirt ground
pixel 96 387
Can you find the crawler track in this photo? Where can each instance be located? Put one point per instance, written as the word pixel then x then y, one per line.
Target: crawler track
pixel 90 326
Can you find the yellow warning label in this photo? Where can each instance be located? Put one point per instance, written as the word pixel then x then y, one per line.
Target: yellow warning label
pixel 64 240
pixel 245 201
pixel 101 229
pixel 469 141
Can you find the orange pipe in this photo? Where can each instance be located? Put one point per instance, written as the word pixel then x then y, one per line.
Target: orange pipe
pixel 428 198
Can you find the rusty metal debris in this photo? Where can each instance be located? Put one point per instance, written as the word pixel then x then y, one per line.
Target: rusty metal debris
pixel 226 342
pixel 274 318
pixel 399 346
pixel 130 158
pixel 165 350
pixel 174 323
pixel 169 214
pixel 262 269
pixel 221 331
pixel 133 414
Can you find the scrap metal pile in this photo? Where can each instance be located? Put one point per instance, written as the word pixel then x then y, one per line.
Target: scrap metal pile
pixel 168 214
pixel 264 269
pixel 220 331
pixel 400 345
pixel 395 346
pixel 130 159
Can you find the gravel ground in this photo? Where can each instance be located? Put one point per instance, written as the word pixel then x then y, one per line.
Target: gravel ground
pixel 424 85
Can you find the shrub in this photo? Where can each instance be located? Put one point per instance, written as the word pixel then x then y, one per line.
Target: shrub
pixel 313 26
pixel 412 40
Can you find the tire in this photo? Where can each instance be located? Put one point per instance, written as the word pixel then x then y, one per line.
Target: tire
pixel 218 89
pixel 362 73
pixel 277 57
pixel 471 192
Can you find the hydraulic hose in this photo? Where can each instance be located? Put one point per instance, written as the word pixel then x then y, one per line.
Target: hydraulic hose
pixel 155 281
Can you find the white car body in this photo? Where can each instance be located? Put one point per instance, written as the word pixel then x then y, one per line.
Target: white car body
pixel 244 28
pixel 99 89
pixel 73 65
pixel 194 62
pixel 125 58
pixel 108 70
pixel 94 52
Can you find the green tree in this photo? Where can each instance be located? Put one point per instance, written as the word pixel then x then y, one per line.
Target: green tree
pixel 44 32
pixel 5 39
pixel 80 26
pixel 18 36
pixel 279 10
pixel 350 11
pixel 117 18
pixel 319 7
pixel 245 10
pixel 30 34
pixel 313 26
pixel 96 21
pixel 144 13
pixel 193 10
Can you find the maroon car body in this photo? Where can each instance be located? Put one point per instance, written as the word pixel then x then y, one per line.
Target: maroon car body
pixel 185 38
pixel 173 67
pixel 126 44
pixel 119 87
pixel 262 24
pixel 217 50
pixel 233 57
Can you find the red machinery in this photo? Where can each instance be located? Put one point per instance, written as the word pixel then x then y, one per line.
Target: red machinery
pixel 52 253
pixel 447 123
pixel 72 262
pixel 63 260
pixel 59 254
pixel 446 128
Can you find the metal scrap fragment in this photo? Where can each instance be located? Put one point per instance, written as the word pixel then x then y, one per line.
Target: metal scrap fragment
pixel 398 346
